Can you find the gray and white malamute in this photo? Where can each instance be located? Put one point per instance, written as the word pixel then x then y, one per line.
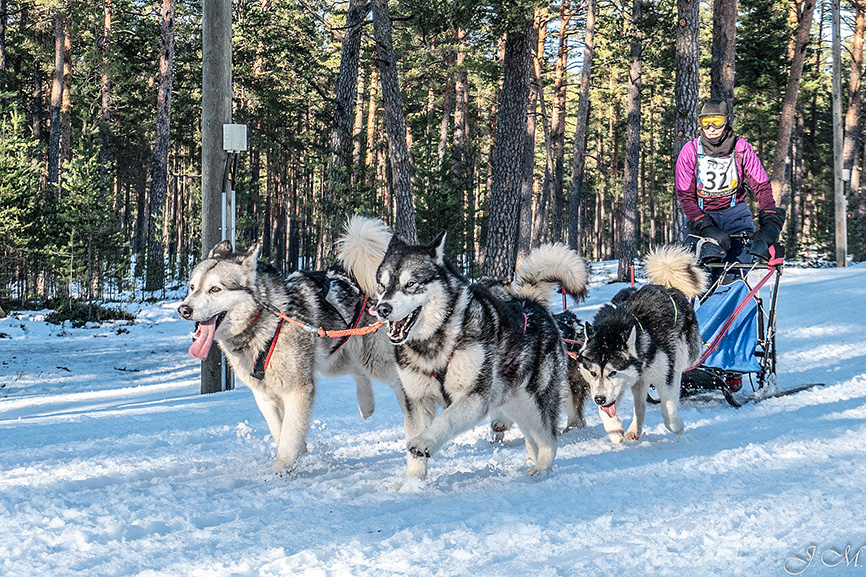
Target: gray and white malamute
pixel 469 348
pixel 645 337
pixel 232 298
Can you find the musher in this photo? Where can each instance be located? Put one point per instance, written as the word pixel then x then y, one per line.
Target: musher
pixel 711 174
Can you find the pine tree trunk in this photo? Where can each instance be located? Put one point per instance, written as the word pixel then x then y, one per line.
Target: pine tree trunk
pixel 578 163
pixel 66 100
pixel 687 84
pixel 141 221
pixel 459 151
pixel 338 183
pixel 524 239
pixel 36 108
pixel 445 119
pixel 159 177
pixel 370 156
pixel 557 126
pixel 3 12
pixel 56 103
pixel 358 131
pixel 504 201
pixel 723 50
pixel 789 103
pixel 541 220
pixel 795 218
pixel 267 217
pixel 652 176
pixel 105 94
pixel 255 182
pixel 395 124
pixel 628 222
pixel 852 116
pixel 461 160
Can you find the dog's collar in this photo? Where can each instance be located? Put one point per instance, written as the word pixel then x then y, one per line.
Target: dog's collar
pixel 264 358
pixel 255 318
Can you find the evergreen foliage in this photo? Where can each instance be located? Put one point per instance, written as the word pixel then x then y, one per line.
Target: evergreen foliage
pixel 90 237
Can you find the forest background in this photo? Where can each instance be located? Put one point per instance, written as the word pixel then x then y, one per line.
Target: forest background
pixel 522 122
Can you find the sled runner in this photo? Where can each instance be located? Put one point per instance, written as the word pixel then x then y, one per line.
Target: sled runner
pixel 738 327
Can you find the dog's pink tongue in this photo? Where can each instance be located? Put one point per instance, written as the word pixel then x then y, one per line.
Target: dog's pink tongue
pixel 610 410
pixel 204 339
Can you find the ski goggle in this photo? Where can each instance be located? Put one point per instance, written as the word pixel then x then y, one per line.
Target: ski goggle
pixel 713 121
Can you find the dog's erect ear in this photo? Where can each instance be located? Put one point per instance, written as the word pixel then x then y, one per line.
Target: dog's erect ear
pixel 251 257
pixel 631 343
pixel 437 248
pixel 587 332
pixel 396 242
pixel 250 263
pixel 221 249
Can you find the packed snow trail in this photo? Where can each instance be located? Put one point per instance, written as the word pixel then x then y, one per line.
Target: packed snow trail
pixel 113 464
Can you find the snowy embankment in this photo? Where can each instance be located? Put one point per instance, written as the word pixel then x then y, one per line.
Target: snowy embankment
pixel 113 464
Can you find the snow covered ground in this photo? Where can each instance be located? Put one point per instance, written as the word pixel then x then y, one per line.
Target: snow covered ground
pixel 111 463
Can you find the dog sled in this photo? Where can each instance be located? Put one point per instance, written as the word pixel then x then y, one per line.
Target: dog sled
pixel 738 329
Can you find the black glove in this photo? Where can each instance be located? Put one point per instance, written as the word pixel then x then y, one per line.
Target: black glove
pixel 771 221
pixel 705 226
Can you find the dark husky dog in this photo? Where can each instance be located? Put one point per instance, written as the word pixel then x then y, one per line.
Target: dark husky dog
pixel 573 336
pixel 462 347
pixel 645 337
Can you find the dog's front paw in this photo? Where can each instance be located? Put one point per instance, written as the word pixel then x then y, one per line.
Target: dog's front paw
pixel 676 425
pixel 500 425
pixel 632 436
pixel 539 473
pixel 616 438
pixel 420 447
pixel 283 465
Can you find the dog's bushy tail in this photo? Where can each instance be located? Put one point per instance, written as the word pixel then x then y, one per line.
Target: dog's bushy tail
pixel 675 267
pixel 546 267
pixel 361 249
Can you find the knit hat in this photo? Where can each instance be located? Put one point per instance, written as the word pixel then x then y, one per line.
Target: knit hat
pixel 713 107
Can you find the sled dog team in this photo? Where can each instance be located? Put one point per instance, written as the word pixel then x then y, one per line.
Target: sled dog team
pixel 453 351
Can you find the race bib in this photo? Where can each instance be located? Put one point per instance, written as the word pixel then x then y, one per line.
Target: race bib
pixel 717 176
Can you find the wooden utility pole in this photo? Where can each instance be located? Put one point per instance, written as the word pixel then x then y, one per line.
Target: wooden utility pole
pixel 216 105
pixel 841 205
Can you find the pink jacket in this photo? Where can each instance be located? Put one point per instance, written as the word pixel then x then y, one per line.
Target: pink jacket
pixel 747 162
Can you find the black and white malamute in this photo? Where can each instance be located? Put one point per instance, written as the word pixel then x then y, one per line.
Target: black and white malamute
pixel 645 337
pixel 232 298
pixel 469 348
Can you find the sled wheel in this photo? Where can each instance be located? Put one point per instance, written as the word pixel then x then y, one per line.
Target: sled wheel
pixel 652 396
